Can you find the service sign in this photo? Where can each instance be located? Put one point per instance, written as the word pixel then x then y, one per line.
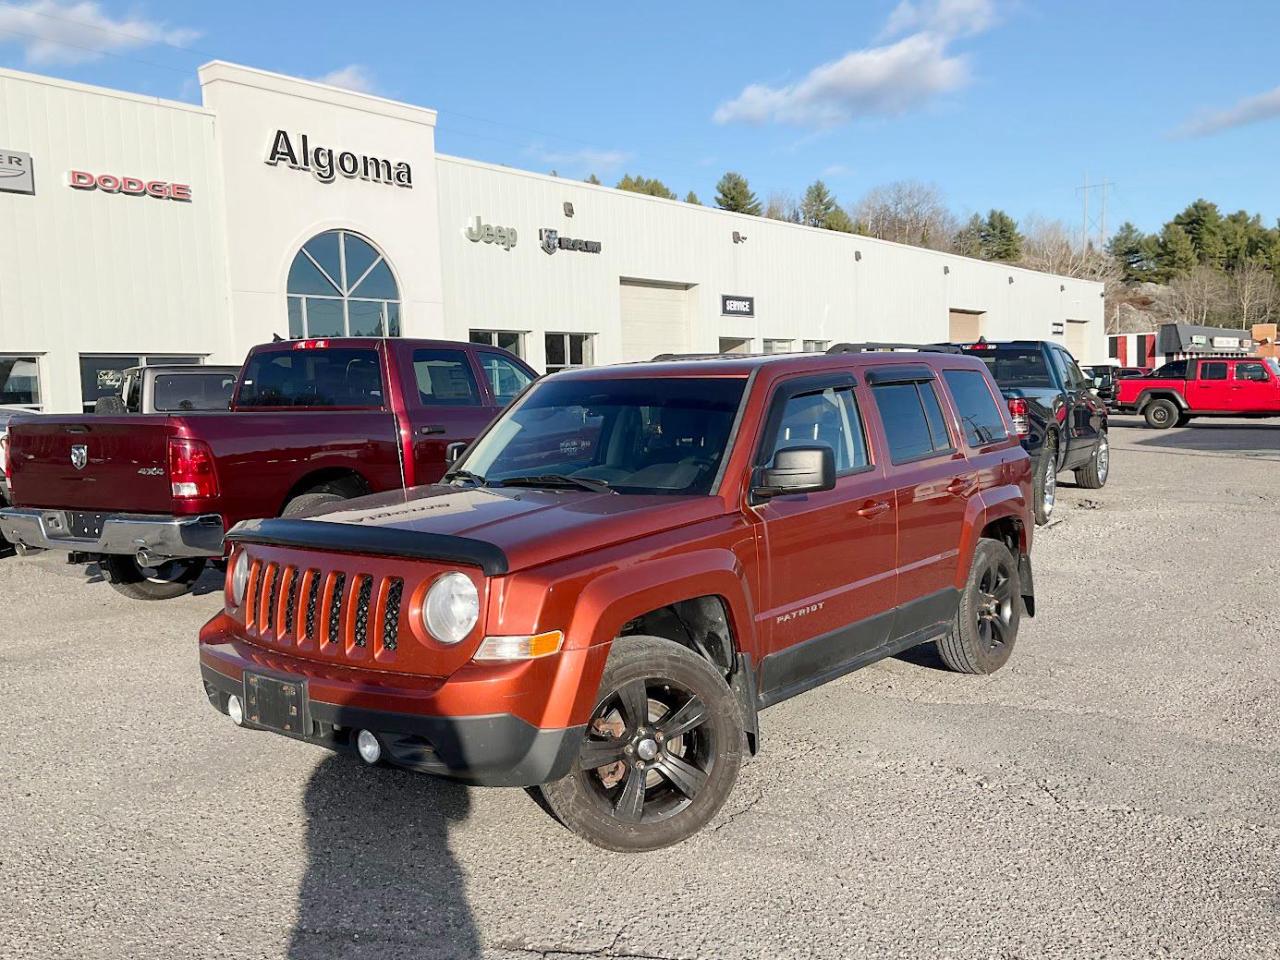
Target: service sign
pixel 1226 343
pixel 16 174
pixel 732 305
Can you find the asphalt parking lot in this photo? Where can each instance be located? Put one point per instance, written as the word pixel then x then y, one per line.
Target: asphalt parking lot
pixel 1113 792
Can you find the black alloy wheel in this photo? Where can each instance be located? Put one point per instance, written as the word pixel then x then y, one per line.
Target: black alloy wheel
pixel 985 629
pixel 660 753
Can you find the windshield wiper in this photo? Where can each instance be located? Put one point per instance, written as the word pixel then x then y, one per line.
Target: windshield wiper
pixel 475 478
pixel 558 480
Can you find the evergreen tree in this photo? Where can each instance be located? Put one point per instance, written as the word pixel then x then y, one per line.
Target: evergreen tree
pixel 840 221
pixel 1202 223
pixel 1128 247
pixel 1000 238
pixel 1176 254
pixel 818 205
pixel 653 187
pixel 968 239
pixel 734 193
pixel 692 197
pixel 593 179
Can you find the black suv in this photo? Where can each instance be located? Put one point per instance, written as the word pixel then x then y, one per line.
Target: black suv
pixel 1062 423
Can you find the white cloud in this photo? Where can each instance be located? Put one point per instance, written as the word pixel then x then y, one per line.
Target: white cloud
pixel 884 80
pixel 838 170
pixel 57 31
pixel 1255 109
pixel 881 80
pixel 578 162
pixel 351 77
pixel 949 18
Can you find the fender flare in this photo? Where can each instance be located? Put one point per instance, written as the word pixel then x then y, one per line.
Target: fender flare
pixel 998 503
pixel 1146 396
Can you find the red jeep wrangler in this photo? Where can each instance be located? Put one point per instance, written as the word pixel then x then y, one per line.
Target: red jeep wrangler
pixel 628 565
pixel 1203 387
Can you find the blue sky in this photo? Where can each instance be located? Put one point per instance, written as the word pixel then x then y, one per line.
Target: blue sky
pixel 1004 103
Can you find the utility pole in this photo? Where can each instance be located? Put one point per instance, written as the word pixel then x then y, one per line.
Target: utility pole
pixel 1087 224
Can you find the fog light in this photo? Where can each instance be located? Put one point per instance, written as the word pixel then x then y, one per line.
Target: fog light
pixel 235 710
pixel 368 746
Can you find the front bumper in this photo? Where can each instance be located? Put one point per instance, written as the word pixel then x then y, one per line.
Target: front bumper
pixel 466 727
pixel 122 533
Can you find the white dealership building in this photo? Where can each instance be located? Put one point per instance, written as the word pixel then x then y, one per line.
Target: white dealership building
pixel 137 230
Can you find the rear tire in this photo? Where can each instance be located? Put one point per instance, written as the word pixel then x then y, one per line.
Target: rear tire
pixel 1045 485
pixel 310 501
pixel 985 629
pixel 662 750
pixel 1161 414
pixel 1093 475
pixel 173 578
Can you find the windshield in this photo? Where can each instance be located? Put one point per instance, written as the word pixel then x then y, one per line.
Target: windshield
pixel 1015 366
pixel 1274 364
pixel 638 436
pixel 193 391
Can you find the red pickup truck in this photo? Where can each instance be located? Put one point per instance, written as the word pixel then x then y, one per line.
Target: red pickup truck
pixel 311 422
pixel 1203 387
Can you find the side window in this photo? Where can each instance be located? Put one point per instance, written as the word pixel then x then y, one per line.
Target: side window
pixel 827 416
pixel 979 412
pixel 1251 370
pixel 1213 370
pixel 913 421
pixel 1173 370
pixel 504 377
pixel 444 378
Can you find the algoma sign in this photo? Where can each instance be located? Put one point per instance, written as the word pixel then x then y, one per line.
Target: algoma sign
pixel 325 163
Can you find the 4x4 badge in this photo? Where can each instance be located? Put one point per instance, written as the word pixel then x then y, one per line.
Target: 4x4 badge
pixel 79 455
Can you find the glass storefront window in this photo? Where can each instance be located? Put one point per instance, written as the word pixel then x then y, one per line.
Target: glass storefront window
pixel 341 285
pixel 102 375
pixel 20 381
pixel 568 350
pixel 512 340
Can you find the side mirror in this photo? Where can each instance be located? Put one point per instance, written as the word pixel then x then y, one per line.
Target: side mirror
pixel 809 468
pixel 454 450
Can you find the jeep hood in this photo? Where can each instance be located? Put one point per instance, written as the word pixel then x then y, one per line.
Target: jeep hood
pixel 528 526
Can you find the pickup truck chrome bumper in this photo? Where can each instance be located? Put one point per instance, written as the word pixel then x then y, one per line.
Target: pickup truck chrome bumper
pixel 122 533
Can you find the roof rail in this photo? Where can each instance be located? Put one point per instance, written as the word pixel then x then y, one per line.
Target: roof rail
pixel 710 356
pixel 873 347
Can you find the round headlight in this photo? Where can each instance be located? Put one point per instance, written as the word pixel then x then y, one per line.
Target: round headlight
pixel 452 608
pixel 239 578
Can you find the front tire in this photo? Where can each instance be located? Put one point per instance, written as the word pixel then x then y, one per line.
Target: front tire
pixel 985 629
pixel 661 752
pixel 1161 414
pixel 173 578
pixel 306 502
pixel 1093 475
pixel 1045 493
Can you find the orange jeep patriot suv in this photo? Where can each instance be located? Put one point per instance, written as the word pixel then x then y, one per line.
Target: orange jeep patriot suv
pixel 630 563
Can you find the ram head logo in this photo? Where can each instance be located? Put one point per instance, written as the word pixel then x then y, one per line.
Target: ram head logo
pixel 550 239
pixel 79 455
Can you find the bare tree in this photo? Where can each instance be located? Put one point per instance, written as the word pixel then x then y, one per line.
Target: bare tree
pixel 1197 296
pixel 907 211
pixel 1050 246
pixel 1254 297
pixel 782 206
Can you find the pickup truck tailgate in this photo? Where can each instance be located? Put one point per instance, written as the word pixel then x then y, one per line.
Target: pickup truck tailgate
pixel 116 464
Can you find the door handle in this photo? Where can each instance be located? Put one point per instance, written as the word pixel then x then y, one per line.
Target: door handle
pixel 961 486
pixel 431 428
pixel 873 509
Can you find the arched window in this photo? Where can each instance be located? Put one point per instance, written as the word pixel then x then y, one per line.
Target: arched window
pixel 341 286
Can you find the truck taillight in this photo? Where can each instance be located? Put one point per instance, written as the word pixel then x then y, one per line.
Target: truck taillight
pixel 311 344
pixel 4 456
pixel 191 473
pixel 1018 410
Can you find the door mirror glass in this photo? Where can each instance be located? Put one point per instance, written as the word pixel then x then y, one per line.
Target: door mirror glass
pixel 808 468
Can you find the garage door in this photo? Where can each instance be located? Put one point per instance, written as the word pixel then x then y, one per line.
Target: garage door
pixel 965 326
pixel 655 319
pixel 1076 340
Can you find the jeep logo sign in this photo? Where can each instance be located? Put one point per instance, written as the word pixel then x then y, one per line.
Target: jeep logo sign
pixel 16 175
pixel 505 237
pixel 732 305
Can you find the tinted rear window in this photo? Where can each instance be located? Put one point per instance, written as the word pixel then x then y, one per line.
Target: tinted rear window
pixel 912 419
pixel 979 413
pixel 188 391
pixel 333 377
pixel 1016 366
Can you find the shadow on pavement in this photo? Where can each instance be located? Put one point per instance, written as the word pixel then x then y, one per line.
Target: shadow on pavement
pixel 1257 437
pixel 381 881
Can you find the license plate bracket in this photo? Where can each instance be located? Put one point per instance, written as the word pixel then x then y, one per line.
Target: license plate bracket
pixel 279 705
pixel 86 526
